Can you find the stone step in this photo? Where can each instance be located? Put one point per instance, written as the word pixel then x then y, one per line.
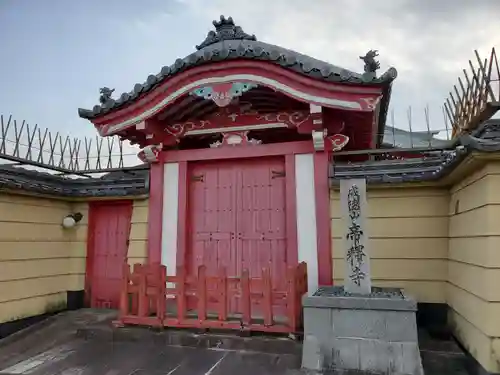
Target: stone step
pixel 211 340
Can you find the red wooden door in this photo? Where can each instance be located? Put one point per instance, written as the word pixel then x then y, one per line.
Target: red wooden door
pixel 212 217
pixel 261 220
pixel 109 229
pixel 237 219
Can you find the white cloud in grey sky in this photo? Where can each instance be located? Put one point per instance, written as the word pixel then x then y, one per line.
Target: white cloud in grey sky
pixel 428 42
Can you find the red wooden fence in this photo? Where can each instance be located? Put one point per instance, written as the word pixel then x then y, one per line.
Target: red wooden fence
pixel 150 297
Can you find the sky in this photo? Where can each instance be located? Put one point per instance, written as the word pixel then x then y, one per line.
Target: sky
pixel 56 54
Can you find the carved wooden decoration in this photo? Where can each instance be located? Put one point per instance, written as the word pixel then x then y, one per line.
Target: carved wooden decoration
pixel 318 137
pixel 150 153
pixel 235 139
pixel 228 119
pixel 317 116
pixel 224 93
pixel 371 103
pixel 333 143
pixel 336 142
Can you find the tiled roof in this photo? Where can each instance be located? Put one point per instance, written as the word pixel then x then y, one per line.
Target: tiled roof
pixel 229 42
pixel 427 168
pixel 135 181
pixel 434 165
pixel 130 183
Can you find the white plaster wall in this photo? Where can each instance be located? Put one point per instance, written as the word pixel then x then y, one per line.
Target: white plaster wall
pixel 170 216
pixel 306 217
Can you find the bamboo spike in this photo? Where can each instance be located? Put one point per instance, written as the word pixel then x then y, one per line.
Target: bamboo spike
pixel 445 123
pixel 72 148
pixel 120 153
pixel 454 109
pixel 17 135
pixel 473 89
pixel 494 59
pixel 111 142
pixel 480 95
pixel 410 125
pixel 62 148
pixel 393 128
pixel 99 147
pixel 41 143
pixel 427 122
pixel 31 137
pixel 486 77
pixel 52 147
pixel 464 101
pixel 77 154
pixel 459 108
pixel 63 153
pixel 5 129
pixel 88 146
pixel 449 112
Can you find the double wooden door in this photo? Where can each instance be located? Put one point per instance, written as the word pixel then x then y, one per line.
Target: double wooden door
pixel 238 219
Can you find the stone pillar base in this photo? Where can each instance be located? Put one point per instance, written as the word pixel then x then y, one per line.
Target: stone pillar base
pixel 373 333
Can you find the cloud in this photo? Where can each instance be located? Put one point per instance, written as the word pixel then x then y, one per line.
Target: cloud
pixel 120 42
pixel 429 42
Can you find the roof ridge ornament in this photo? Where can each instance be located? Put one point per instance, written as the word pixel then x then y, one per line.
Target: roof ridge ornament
pixel 371 65
pixel 105 96
pixel 225 29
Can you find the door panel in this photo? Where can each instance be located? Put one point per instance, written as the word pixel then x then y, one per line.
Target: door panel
pixel 108 239
pixel 212 217
pixel 212 222
pixel 237 219
pixel 261 235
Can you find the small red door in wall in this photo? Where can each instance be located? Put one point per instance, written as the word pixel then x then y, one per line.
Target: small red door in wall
pixel 238 220
pixel 108 237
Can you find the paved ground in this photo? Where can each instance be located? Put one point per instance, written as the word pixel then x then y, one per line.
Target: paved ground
pixel 82 343
pixel 86 358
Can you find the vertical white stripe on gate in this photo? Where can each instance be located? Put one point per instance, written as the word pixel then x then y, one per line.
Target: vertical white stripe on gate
pixel 170 216
pixel 307 242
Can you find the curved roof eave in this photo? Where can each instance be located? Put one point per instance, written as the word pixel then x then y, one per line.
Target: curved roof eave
pixel 225 46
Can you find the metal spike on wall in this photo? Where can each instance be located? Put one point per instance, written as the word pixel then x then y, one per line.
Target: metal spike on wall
pixel 476 98
pixel 29 145
pixel 409 132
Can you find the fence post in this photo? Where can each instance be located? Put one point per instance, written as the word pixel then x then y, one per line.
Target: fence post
pixel 143 298
pixel 161 295
pixel 267 293
pixel 124 302
pixel 202 294
pixel 292 303
pixel 302 277
pixel 222 286
pixel 180 286
pixel 245 297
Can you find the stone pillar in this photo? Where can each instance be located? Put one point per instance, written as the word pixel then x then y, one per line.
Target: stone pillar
pixel 357 278
pixel 357 327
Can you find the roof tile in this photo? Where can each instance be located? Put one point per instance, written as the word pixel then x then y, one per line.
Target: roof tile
pixel 229 42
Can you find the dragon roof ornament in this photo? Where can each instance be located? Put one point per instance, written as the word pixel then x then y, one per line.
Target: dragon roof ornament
pixel 225 29
pixel 371 65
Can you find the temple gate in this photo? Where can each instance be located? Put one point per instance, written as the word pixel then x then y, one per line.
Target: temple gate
pixel 239 136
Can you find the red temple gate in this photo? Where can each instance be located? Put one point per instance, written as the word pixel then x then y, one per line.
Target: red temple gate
pixel 238 136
